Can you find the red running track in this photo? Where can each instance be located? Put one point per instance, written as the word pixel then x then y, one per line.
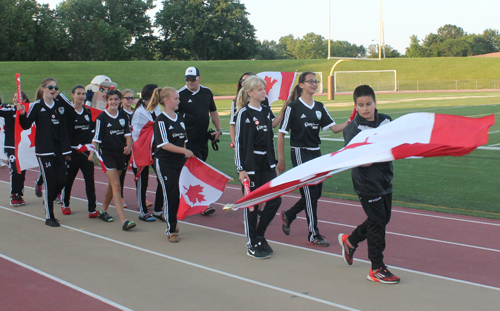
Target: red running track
pixel 445 245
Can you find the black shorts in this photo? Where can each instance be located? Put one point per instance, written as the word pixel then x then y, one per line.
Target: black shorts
pixel 114 160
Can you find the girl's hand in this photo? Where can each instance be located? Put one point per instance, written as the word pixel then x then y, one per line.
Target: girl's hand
pixel 91 156
pixel 20 108
pixel 242 175
pixel 280 168
pixel 188 153
pixel 127 150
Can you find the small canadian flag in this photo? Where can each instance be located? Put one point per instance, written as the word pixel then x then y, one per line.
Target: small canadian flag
pixel 278 84
pixel 200 185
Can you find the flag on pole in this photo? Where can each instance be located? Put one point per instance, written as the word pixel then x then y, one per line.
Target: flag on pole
pixel 24 140
pixel 278 84
pixel 200 185
pixel 89 147
pixel 410 136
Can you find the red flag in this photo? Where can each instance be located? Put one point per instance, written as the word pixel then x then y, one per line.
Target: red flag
pixel 24 140
pixel 278 84
pixel 200 185
pixel 412 135
pixel 94 112
pixel 142 147
pixel 89 147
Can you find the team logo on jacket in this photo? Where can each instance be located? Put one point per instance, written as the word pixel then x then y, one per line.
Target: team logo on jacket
pixel 61 110
pixel 318 115
pixel 256 121
pixel 87 118
pixel 122 122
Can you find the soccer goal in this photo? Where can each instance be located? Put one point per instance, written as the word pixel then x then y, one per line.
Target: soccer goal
pixel 379 80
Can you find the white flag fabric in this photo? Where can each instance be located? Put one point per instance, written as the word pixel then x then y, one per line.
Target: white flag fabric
pixel 278 84
pixel 412 135
pixel 3 156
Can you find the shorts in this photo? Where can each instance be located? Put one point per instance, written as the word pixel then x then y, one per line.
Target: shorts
pixel 114 160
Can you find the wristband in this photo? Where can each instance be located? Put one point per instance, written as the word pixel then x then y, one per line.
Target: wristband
pixel 231 145
pixel 219 130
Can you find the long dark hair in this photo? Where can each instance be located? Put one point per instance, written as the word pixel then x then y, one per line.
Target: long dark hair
pixel 240 84
pixel 146 94
pixel 297 91
pixel 39 93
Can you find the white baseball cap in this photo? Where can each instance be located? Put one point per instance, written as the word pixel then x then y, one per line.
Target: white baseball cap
pixel 192 72
pixel 104 81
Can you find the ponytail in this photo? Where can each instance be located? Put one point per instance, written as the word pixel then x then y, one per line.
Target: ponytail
pixel 159 94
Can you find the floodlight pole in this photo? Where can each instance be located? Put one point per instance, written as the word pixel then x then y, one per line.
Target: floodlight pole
pixel 329 28
pixel 380 34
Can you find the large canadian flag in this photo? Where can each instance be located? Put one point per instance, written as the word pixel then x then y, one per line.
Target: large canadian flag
pixel 278 84
pixel 200 185
pixel 413 135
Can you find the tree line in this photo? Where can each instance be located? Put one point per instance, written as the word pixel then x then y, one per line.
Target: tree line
pixel 97 30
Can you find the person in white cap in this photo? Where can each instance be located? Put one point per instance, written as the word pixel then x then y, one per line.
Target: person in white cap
pixel 96 91
pixel 196 104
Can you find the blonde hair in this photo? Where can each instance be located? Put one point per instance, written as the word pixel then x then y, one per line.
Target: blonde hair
pixel 39 93
pixel 250 84
pixel 125 91
pixel 159 94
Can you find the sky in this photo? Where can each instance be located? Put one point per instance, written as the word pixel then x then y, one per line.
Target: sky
pixel 358 21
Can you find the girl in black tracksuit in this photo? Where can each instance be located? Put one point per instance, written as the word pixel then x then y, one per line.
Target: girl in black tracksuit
pixel 80 128
pixel 255 160
pixel 16 178
pixel 52 143
pixel 303 118
pixel 170 155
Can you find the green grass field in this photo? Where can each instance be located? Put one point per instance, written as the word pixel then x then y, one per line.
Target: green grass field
pixel 462 185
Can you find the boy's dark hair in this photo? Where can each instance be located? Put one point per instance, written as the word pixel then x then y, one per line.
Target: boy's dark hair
pixel 363 90
pixel 113 92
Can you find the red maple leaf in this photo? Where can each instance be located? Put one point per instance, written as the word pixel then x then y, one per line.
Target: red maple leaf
pixel 194 194
pixel 269 83
pixel 32 136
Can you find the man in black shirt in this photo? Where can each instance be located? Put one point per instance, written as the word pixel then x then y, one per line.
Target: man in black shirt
pixel 196 105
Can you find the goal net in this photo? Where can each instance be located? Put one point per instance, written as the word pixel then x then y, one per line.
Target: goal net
pixel 379 80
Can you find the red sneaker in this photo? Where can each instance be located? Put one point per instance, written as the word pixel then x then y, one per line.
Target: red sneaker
pixel 94 214
pixel 14 201
pixel 347 251
pixel 382 275
pixel 148 204
pixel 66 210
pixel 20 200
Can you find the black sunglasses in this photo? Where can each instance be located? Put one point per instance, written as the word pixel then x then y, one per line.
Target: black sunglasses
pixel 191 79
pixel 51 87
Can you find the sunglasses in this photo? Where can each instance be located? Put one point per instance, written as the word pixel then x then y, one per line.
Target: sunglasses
pixel 191 79
pixel 103 90
pixel 312 81
pixel 51 87
pixel 129 98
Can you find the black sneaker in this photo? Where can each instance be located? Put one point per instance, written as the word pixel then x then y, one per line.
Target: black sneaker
pixel 347 251
pixel 286 223
pixel 256 251
pixel 105 216
pixel 209 211
pixel 265 246
pixel 127 225
pixel 52 222
pixel 318 240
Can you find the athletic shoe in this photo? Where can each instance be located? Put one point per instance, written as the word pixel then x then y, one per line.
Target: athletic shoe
pixel 319 240
pixel 209 211
pixel 127 225
pixel 159 216
pixel 147 217
pixel 14 200
pixel 256 251
pixel 382 275
pixel 173 237
pixel 347 251
pixel 286 223
pixel 52 222
pixel 38 190
pixel 21 201
pixel 105 216
pixel 265 246
pixel 66 210
pixel 58 199
pixel 148 204
pixel 124 204
pixel 93 214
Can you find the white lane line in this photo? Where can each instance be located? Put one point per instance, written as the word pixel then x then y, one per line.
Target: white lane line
pixel 192 264
pixel 81 290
